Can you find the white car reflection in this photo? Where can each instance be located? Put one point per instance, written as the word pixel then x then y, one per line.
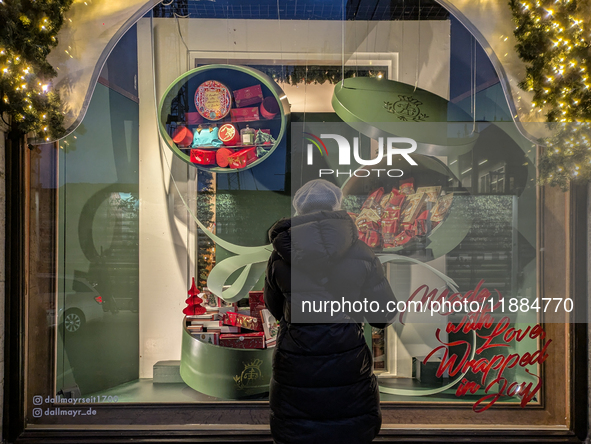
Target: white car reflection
pixel 80 303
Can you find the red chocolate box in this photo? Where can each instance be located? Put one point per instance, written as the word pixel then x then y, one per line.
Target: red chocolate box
pixel 248 96
pixel 240 320
pixel 244 114
pixel 256 301
pixel 242 158
pixel 203 157
pixel 246 340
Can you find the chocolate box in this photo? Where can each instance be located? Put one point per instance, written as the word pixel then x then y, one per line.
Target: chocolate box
pixel 193 118
pixel 244 114
pixel 256 302
pixel 203 157
pixel 243 321
pixel 246 340
pixel 182 136
pixel 242 158
pixel 248 96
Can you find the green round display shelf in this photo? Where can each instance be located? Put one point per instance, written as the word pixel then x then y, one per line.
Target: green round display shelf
pixel 238 97
pixel 223 372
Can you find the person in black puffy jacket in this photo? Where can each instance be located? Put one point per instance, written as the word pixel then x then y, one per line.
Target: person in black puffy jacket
pixel 323 389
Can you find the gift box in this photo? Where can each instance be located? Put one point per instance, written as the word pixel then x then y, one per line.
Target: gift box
pixel 404 238
pixel 213 100
pixel 407 186
pixel 203 157
pixel 269 108
pixel 229 134
pixel 412 208
pixel 242 158
pixel 244 114
pixel 246 340
pixel 239 320
pixel 389 231
pixel 256 302
pixel 210 338
pixel 222 157
pixel 368 219
pixel 374 199
pixel 182 136
pixel 193 118
pixel 248 96
pixel 441 207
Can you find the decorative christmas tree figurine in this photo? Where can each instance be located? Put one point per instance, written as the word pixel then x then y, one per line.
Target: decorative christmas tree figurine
pixel 194 302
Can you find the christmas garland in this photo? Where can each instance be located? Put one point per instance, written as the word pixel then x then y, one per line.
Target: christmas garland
pixel 27 35
pixel 553 40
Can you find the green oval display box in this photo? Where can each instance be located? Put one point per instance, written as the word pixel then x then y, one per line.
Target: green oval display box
pixel 224 372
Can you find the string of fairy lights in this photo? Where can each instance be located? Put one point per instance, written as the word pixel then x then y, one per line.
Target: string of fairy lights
pixel 553 39
pixel 27 34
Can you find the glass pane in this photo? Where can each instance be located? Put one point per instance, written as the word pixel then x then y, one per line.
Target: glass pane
pixel 205 121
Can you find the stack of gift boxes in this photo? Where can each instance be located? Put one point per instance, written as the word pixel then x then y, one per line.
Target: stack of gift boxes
pixel 234 148
pixel 400 216
pixel 228 325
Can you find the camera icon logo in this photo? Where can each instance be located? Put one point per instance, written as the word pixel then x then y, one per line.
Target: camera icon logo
pixel 37 412
pixel 37 400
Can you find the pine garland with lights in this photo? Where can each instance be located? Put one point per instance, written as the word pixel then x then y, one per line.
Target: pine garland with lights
pixel 554 41
pixel 27 35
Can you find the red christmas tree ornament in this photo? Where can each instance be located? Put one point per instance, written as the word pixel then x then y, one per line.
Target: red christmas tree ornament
pixel 194 302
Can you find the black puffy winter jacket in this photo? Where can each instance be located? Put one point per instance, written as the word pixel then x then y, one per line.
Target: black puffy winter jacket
pixel 323 389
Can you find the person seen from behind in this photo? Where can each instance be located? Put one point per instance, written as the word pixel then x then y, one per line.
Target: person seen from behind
pixel 323 389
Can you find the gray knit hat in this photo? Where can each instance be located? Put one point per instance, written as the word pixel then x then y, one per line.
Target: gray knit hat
pixel 316 195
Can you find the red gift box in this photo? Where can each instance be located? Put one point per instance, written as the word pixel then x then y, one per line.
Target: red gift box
pixel 248 96
pixel 246 340
pixel 239 320
pixel 203 157
pixel 229 134
pixel 269 108
pixel 193 118
pixel 222 155
pixel 182 136
pixel 256 302
pixel 244 114
pixel 242 158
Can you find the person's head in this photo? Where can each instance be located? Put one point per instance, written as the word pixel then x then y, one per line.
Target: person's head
pixel 316 195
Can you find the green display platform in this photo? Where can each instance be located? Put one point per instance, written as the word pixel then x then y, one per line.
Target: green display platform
pixel 223 372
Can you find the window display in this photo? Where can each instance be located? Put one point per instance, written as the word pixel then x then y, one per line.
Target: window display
pixel 148 258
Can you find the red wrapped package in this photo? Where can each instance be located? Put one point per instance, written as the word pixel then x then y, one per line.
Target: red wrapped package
pixel 256 302
pixel 203 157
pixel 246 340
pixel 240 320
pixel 374 199
pixel 389 230
pixel 407 186
pixel 368 219
pixel 242 158
pixel 373 239
pixel 404 238
pixel 361 236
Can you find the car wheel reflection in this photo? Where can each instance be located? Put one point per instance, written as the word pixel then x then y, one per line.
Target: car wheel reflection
pixel 73 321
